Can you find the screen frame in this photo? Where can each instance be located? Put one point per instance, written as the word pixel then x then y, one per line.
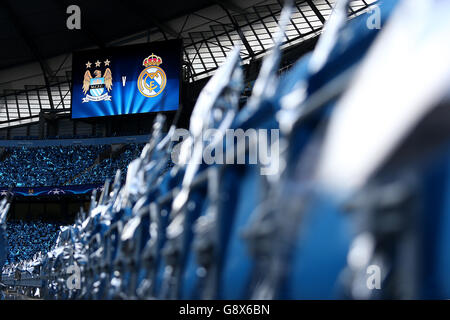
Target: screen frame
pixel 143 45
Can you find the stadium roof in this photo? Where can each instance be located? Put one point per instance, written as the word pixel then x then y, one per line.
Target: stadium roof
pixel 36 30
pixel 209 30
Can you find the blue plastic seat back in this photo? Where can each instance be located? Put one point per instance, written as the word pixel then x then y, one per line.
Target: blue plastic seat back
pixel 188 260
pixel 164 210
pixel 263 118
pixel 434 228
pixel 234 261
pixel 143 240
pixel 196 205
pixel 141 237
pixel 319 254
pixel 3 248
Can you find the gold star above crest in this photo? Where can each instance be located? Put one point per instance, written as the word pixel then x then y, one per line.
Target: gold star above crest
pixel 106 62
pixel 97 63
pixel 88 65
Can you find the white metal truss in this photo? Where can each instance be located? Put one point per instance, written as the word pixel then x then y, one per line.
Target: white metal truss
pixel 206 42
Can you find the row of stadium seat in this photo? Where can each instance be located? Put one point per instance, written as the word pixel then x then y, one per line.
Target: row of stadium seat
pixel 25 239
pixel 48 166
pixel 60 165
pixel 78 136
pixel 108 167
pixel 336 220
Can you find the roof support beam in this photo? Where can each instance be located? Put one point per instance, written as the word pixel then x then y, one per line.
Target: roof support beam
pixel 316 11
pixel 239 31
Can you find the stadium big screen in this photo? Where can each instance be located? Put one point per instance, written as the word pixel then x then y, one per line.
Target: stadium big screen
pixel 126 80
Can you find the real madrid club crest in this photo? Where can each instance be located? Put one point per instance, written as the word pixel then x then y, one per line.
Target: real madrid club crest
pixel 152 80
pixel 97 88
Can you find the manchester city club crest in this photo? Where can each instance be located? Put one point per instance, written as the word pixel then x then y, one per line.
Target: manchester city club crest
pixel 97 87
pixel 152 80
